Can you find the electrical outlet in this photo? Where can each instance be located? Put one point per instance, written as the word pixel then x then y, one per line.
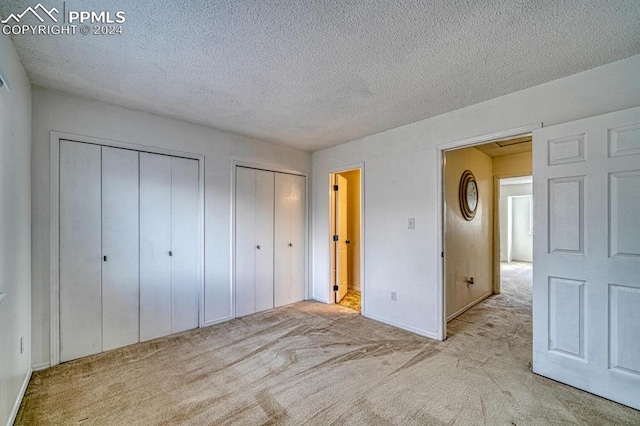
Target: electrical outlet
pixel 21 344
pixel 393 295
pixel 412 223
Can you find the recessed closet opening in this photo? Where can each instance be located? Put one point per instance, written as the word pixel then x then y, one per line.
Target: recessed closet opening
pixel 270 243
pixel 345 215
pixel 127 244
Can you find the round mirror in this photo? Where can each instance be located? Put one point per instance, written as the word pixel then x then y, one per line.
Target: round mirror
pixel 468 195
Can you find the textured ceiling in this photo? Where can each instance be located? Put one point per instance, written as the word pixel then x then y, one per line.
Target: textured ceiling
pixel 311 74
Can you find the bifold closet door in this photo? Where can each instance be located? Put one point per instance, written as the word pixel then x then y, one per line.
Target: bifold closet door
pixel 168 245
pixel 254 240
pixel 184 244
pixel 289 285
pixel 80 250
pixel 155 246
pixel 120 248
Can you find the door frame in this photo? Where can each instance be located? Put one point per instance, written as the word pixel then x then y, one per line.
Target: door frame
pixel 441 320
pixel 333 171
pixel 496 224
pixel 510 226
pixel 307 234
pixel 54 223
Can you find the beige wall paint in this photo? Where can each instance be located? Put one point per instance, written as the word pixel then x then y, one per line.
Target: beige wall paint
pixel 468 244
pixel 353 224
pixel 513 165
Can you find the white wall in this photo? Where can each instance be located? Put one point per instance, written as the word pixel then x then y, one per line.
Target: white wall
pixel 521 236
pixel 400 178
pixel 54 110
pixel 505 192
pixel 15 228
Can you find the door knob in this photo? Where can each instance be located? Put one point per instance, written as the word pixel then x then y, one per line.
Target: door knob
pixel 258 247
pixel 170 253
pixel 290 244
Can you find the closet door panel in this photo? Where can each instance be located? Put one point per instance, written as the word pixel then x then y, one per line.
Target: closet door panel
pixel 120 246
pixel 155 244
pixel 184 243
pixel 246 247
pixel 80 250
pixel 264 238
pixel 284 193
pixel 298 240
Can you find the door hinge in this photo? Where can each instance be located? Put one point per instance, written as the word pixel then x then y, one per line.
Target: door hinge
pixel 335 238
pixel 442 254
pixel 335 288
pixel 335 187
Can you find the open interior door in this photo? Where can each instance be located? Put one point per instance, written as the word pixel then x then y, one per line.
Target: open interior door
pixel 341 232
pixel 586 288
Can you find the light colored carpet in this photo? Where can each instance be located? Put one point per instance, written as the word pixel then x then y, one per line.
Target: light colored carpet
pixel 318 364
pixel 351 300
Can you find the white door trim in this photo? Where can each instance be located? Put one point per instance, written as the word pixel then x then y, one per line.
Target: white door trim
pixel 363 289
pixel 232 252
pixel 54 223
pixel 441 321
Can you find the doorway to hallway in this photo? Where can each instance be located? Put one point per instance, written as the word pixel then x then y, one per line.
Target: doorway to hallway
pixel 487 218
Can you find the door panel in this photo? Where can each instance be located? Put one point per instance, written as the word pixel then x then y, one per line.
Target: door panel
pixel 184 244
pixel 289 286
pixel 298 239
pixel 155 244
pixel 80 250
pixel 120 272
pixel 342 265
pixel 264 238
pixel 284 197
pixel 246 246
pixel 586 292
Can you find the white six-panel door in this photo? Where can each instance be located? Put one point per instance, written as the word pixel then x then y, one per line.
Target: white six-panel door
pixel 120 273
pixel 586 291
pixel 80 250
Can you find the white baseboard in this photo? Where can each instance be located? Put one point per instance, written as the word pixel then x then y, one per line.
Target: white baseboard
pixel 40 367
pixel 404 327
pixel 216 321
pixel 16 405
pixel 318 299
